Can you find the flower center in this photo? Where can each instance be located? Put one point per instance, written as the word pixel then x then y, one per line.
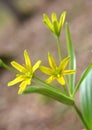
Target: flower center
pixel 29 74
pixel 57 73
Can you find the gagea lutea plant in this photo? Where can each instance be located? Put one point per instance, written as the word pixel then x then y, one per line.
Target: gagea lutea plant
pixel 64 73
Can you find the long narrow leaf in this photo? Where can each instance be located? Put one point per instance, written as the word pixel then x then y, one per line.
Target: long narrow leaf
pixel 72 64
pixel 52 93
pixel 82 78
pixel 86 99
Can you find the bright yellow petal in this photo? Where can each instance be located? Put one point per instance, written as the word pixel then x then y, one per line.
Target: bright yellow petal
pixel 55 23
pixel 64 63
pixel 16 80
pixel 29 81
pixel 22 87
pixel 51 61
pixel 36 66
pixel 18 66
pixel 47 21
pixel 61 80
pixel 62 19
pixel 65 72
pixel 27 59
pixel 50 79
pixel 54 17
pixel 46 70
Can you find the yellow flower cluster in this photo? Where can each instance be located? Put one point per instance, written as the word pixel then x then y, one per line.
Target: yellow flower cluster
pixel 26 72
pixel 54 25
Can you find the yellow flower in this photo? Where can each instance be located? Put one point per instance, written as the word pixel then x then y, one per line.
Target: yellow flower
pixel 25 72
pixel 56 72
pixel 54 25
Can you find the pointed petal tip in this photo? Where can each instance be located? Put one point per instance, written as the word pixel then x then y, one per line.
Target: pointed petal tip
pixel 19 92
pixel 22 87
pixel 49 54
pixel 39 61
pixel 25 51
pixel 44 15
pixel 8 84
pixel 61 80
pixel 64 12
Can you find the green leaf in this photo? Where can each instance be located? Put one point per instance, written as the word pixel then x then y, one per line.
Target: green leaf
pixel 82 78
pixel 50 92
pixel 72 64
pixel 86 99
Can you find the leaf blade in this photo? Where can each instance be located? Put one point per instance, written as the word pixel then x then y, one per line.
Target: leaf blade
pixel 71 53
pixel 86 99
pixel 82 78
pixel 52 93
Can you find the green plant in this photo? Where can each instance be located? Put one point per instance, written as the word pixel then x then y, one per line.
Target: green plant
pixel 68 87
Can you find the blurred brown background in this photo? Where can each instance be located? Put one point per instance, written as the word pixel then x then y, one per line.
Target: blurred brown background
pixel 21 27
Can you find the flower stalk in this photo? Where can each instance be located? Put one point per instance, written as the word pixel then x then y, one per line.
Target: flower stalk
pixel 80 116
pixel 2 64
pixel 59 49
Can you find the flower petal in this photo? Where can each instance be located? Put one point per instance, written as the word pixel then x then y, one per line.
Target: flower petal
pixel 46 70
pixel 27 59
pixel 29 81
pixel 64 63
pixel 22 87
pixel 61 80
pixel 55 23
pixel 56 31
pixel 54 17
pixel 50 79
pixel 18 66
pixel 36 66
pixel 51 61
pixel 16 80
pixel 47 21
pixel 65 72
pixel 62 19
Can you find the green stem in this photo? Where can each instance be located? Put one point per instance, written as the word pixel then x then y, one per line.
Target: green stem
pixel 59 49
pixel 80 115
pixel 2 64
pixel 66 87
pixel 48 85
pixel 42 82
pixel 74 105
